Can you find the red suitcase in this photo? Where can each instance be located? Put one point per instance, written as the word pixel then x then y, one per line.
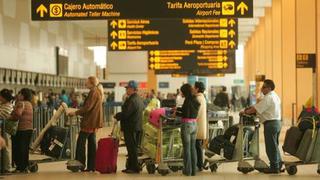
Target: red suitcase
pixel 107 154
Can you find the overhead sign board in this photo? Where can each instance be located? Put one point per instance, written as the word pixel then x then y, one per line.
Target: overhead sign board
pixel 139 9
pixel 143 34
pixel 197 62
pixel 306 61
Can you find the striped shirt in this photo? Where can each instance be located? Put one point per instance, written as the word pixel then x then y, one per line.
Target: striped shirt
pixel 5 110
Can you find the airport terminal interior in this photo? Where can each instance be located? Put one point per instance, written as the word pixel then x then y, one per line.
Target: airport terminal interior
pixel 54 49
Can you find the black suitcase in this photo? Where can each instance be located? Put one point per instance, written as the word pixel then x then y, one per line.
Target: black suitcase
pixel 56 142
pixel 228 150
pixel 292 140
pixel 217 144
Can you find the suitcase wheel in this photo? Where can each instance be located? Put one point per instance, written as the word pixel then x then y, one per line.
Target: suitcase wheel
pixel 163 172
pixel 33 167
pixel 292 170
pixel 214 168
pixel 318 171
pixel 151 168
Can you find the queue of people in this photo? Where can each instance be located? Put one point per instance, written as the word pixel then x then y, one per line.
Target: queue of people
pixel 193 129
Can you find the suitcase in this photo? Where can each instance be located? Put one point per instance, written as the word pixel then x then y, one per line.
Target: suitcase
pixel 292 140
pixel 217 144
pixel 154 117
pixel 316 151
pixel 107 154
pixel 55 143
pixel 304 145
pixel 228 150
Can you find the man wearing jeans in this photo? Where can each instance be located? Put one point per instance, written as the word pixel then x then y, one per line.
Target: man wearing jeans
pixel 269 112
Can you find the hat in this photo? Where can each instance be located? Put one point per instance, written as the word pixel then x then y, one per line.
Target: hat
pixel 132 84
pixel 6 94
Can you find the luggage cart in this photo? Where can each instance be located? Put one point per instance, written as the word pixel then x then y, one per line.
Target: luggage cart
pixel 166 161
pixel 73 129
pixel 291 166
pixel 239 155
pixel 214 127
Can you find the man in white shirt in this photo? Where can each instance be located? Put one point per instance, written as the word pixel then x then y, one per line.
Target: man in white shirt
pixel 268 110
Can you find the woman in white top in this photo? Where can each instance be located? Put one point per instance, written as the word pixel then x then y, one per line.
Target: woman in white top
pixel 201 123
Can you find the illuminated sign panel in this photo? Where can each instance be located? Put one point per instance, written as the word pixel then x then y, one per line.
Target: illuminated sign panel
pixel 198 62
pixel 142 34
pixel 58 10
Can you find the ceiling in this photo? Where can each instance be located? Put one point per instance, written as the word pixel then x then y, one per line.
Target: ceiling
pixel 96 31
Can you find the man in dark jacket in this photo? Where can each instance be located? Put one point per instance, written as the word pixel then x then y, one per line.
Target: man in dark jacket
pixel 131 124
pixel 222 99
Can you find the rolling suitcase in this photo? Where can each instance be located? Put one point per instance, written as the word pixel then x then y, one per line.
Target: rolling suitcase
pixel 304 146
pixel 55 142
pixel 292 140
pixel 107 153
pixel 217 144
pixel 228 150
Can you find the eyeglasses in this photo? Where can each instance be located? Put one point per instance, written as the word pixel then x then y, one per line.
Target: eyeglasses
pixel 263 87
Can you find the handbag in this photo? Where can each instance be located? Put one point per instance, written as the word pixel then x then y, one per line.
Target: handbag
pixel 11 126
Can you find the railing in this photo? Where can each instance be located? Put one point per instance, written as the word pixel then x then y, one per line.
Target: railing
pixel 110 109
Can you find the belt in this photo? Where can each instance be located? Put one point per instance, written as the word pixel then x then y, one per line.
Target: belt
pixel 270 121
pixel 188 120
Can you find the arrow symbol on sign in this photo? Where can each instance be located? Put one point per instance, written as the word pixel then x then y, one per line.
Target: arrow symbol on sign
pixel 114 45
pixel 232 33
pixel 232 22
pixel 152 66
pixel 225 58
pixel 232 44
pixel 113 24
pixel 42 9
pixel 114 34
pixel 151 53
pixel 242 7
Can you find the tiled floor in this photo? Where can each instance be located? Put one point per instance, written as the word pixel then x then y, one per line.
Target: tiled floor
pixel 228 171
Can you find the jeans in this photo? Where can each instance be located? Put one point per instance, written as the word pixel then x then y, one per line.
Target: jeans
pixel 81 152
pixel 271 134
pixel 6 154
pixel 188 136
pixel 20 149
pixel 130 138
pixel 199 149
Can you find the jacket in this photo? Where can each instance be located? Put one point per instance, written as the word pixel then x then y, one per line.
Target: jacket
pixel 92 111
pixel 131 114
pixel 202 117
pixel 23 112
pixel 189 108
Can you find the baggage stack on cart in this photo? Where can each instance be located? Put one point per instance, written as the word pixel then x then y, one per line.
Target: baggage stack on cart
pixel 239 143
pixel 303 141
pixel 161 144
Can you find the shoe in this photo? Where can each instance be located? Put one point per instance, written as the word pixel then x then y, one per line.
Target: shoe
pixel 271 171
pixel 129 171
pixel 200 169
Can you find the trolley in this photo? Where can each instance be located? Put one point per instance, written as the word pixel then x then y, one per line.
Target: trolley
pixel 69 147
pixel 291 166
pixel 242 151
pixel 168 153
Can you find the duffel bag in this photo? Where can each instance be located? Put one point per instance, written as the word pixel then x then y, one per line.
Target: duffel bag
pixel 292 140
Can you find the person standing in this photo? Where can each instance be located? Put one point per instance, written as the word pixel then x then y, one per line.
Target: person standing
pixel 22 112
pixel 92 114
pixel 189 113
pixel 201 122
pixel 6 108
pixel 131 124
pixel 222 99
pixel 269 112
